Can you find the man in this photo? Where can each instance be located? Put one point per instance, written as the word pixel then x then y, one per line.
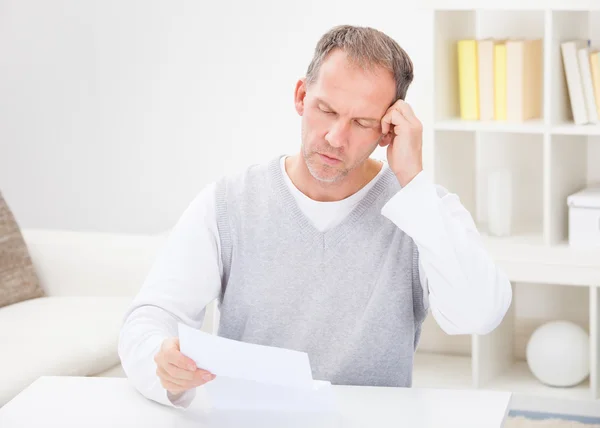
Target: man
pixel 327 251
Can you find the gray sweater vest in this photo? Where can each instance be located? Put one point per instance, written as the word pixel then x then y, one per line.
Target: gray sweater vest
pixel 350 297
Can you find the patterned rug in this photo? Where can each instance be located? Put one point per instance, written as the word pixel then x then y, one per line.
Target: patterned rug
pixel 522 422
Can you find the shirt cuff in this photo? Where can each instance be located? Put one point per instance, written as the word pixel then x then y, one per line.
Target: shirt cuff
pixel 182 400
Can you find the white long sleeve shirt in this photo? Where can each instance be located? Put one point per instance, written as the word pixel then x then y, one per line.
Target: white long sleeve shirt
pixel 466 292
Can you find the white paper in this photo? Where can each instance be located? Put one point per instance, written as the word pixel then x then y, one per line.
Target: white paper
pixel 255 377
pixel 239 360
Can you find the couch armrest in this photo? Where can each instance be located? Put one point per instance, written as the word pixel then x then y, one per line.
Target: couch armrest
pixel 90 263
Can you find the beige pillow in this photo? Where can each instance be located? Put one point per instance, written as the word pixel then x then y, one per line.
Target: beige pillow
pixel 18 279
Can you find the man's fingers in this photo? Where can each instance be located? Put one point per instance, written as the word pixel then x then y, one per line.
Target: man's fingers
pixel 392 117
pixel 409 114
pixel 398 114
pixel 175 357
pixel 178 373
pixel 399 129
pixel 406 110
pixel 201 377
pixel 385 122
pixel 171 387
pixel 165 376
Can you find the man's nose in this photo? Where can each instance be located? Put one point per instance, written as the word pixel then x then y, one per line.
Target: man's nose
pixel 338 134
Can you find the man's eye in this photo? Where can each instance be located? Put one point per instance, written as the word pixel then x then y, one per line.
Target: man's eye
pixel 324 110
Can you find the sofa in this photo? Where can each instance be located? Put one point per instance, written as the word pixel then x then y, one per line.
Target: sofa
pixel 89 279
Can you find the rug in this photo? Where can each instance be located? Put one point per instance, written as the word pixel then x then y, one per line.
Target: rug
pixel 522 422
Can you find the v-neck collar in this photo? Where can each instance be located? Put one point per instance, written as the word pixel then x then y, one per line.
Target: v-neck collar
pixel 335 235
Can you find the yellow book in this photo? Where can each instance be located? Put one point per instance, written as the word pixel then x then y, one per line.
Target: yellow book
pixel 595 66
pixel 500 82
pixel 468 80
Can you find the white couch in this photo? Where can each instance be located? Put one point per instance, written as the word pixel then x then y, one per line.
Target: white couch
pixel 90 279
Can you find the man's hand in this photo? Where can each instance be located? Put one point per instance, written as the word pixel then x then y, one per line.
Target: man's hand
pixel 404 143
pixel 177 372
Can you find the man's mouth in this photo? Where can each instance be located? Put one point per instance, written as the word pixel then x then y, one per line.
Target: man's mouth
pixel 328 159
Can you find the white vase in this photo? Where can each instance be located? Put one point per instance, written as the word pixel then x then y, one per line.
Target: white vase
pixel 499 202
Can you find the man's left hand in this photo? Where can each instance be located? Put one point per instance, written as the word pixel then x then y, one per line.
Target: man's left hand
pixel 403 136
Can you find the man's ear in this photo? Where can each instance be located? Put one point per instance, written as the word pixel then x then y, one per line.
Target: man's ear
pixel 299 94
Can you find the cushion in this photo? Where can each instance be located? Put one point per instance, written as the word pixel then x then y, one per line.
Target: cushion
pixel 58 336
pixel 18 280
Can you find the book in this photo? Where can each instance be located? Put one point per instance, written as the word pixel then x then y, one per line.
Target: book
pixel 574 80
pixel 485 69
pixel 583 55
pixel 500 81
pixel 468 80
pixel 524 79
pixel 595 66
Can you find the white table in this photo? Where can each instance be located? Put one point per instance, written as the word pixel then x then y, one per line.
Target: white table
pixel 112 402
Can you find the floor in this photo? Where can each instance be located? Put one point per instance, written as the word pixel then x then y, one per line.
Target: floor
pixel 524 419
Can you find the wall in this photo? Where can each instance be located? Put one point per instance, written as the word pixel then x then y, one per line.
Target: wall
pixel 114 114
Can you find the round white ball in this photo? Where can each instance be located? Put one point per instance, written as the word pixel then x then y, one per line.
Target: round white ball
pixel 558 354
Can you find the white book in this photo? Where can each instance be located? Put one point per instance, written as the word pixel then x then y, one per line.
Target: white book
pixel 485 57
pixel 574 80
pixel 588 85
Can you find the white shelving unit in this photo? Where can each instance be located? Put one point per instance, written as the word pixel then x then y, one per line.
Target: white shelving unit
pixel 550 158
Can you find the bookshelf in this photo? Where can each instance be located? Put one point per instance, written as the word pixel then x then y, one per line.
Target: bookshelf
pixel 550 158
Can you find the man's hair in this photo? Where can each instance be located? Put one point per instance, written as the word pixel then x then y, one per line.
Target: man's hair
pixel 367 48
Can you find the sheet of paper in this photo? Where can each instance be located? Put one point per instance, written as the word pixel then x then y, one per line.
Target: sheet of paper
pixel 245 361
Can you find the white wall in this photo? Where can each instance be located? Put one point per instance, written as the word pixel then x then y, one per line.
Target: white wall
pixel 114 114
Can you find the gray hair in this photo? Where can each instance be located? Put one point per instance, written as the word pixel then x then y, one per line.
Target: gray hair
pixel 367 48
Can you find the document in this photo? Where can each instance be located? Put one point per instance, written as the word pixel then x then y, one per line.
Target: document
pixel 239 360
pixel 255 377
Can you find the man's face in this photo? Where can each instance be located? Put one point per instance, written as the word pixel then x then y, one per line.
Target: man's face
pixel 341 116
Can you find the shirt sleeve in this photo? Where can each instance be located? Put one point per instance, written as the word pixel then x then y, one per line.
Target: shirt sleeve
pixel 467 293
pixel 185 278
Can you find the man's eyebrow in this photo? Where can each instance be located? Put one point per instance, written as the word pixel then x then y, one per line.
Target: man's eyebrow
pixel 368 119
pixel 321 101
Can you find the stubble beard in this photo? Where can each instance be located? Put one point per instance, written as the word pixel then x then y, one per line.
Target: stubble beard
pixel 309 160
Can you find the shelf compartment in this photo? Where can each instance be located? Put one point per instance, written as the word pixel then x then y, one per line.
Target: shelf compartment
pixel 454 165
pixel 522 155
pixel 569 25
pixel 450 26
pixel 442 360
pixel 573 163
pixel 435 341
pixel 433 370
pixel 519 380
pixel 499 358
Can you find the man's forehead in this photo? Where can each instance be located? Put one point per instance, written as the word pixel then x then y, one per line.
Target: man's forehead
pixel 369 90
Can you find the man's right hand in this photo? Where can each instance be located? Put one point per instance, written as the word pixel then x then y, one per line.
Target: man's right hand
pixel 177 372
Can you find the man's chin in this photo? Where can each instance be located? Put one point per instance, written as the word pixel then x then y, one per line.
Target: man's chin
pixel 325 174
